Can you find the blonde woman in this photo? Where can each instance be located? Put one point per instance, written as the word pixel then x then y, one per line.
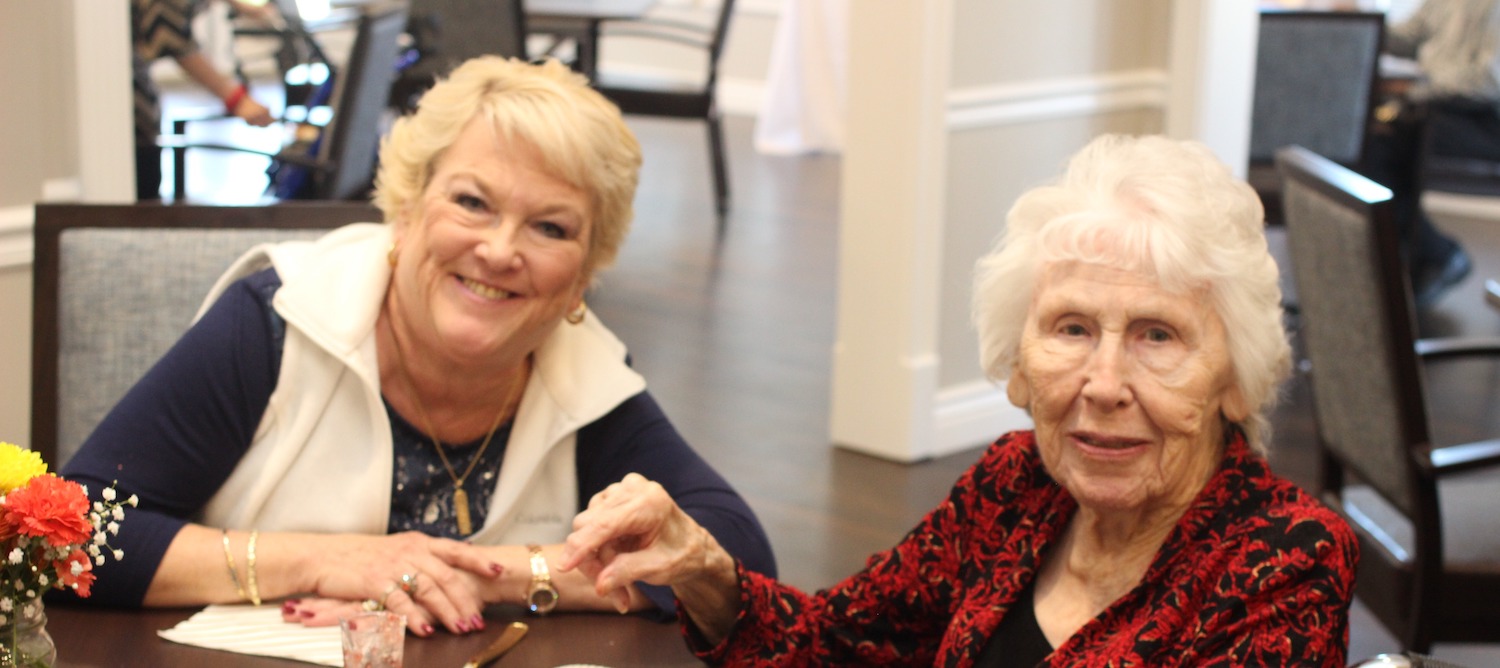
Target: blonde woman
pixel 408 415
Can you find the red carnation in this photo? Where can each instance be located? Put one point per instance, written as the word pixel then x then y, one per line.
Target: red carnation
pixel 85 578
pixel 51 508
pixel 7 529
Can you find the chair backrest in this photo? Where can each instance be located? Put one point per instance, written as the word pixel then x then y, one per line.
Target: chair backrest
pixel 717 40
pixel 116 285
pixel 457 30
pixel 353 135
pixel 1358 326
pixel 1315 75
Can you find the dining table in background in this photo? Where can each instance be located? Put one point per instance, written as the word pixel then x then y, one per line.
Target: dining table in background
pixel 579 21
pixel 88 637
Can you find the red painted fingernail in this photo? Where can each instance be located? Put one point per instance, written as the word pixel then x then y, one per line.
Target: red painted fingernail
pixel 426 629
pixel 497 569
pixel 478 623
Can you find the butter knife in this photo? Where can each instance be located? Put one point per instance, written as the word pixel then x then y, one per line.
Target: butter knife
pixel 507 640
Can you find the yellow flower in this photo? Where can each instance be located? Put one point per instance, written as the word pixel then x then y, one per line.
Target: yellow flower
pixel 18 466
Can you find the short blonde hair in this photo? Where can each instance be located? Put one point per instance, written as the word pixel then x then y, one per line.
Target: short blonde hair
pixel 579 135
pixel 1179 213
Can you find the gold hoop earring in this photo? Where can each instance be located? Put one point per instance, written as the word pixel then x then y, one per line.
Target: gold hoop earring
pixel 390 256
pixel 576 317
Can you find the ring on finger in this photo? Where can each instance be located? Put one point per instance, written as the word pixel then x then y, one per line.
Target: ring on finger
pixel 408 583
pixel 373 605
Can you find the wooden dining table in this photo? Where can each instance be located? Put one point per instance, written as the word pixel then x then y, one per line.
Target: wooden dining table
pixel 104 638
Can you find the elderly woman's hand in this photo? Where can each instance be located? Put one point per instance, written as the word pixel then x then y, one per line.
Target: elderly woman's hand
pixel 633 531
pixel 409 573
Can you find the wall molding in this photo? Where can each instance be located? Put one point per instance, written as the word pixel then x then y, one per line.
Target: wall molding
pixel 972 415
pixel 1064 97
pixel 1467 206
pixel 16 225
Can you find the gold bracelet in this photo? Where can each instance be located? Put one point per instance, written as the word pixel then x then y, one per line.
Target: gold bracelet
pixel 250 569
pixel 229 560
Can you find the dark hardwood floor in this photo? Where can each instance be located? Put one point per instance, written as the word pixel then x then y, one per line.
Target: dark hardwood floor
pixel 735 335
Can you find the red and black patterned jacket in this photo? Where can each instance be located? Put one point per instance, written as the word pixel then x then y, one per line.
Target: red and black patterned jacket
pixel 1256 573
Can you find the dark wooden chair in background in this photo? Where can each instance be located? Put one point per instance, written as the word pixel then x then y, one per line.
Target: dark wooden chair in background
pixel 339 161
pixel 116 285
pixel 445 33
pixel 1429 537
pixel 300 61
pixel 694 100
pixel 1315 86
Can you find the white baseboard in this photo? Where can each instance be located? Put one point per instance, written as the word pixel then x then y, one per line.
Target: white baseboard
pixel 986 106
pixel 1465 206
pixel 16 224
pixel 973 415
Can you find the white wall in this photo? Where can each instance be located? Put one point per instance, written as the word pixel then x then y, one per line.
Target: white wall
pixel 62 58
pixel 981 101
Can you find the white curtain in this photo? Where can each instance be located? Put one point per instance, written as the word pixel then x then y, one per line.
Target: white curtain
pixel 803 110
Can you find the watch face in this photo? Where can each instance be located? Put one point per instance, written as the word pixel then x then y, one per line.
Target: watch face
pixel 541 598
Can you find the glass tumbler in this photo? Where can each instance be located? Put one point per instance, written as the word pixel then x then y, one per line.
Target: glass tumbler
pixel 373 639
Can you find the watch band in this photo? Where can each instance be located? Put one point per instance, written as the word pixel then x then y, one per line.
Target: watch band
pixel 541 595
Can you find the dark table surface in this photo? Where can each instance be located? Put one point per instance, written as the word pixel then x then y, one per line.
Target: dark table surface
pixel 98 638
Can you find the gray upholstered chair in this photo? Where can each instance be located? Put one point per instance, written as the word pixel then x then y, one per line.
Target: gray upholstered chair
pixel 116 285
pixel 1315 75
pixel 1429 535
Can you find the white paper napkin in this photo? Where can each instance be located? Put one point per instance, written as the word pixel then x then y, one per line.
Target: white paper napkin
pixel 247 629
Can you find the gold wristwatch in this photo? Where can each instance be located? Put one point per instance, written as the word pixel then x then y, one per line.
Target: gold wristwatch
pixel 541 596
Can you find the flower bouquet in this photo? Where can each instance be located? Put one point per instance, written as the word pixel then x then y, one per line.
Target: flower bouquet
pixel 50 538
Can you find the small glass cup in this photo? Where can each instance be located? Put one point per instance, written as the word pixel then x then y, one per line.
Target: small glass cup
pixel 374 639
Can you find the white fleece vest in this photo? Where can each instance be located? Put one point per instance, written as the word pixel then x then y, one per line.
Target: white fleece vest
pixel 321 459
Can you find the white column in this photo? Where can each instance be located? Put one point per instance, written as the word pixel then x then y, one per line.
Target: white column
pixel 1212 69
pixel 885 362
pixel 106 130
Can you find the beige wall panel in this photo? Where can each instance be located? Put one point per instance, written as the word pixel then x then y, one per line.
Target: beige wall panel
pixel 34 144
pixel 1023 41
pixel 987 169
pixel 15 355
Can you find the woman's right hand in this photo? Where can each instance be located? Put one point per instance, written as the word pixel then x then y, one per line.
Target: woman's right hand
pixel 633 531
pixel 358 568
pixel 253 112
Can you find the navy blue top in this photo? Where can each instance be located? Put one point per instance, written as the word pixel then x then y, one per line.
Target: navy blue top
pixel 180 432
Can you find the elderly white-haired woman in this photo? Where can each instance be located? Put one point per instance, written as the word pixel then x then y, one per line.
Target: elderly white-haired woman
pixel 1133 309
pixel 408 415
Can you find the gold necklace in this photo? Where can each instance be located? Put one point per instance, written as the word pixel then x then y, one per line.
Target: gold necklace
pixel 460 497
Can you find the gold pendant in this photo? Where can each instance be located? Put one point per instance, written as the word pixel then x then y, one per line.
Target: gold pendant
pixel 461 509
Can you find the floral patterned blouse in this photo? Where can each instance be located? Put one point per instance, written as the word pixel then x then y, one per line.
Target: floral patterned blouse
pixel 1256 572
